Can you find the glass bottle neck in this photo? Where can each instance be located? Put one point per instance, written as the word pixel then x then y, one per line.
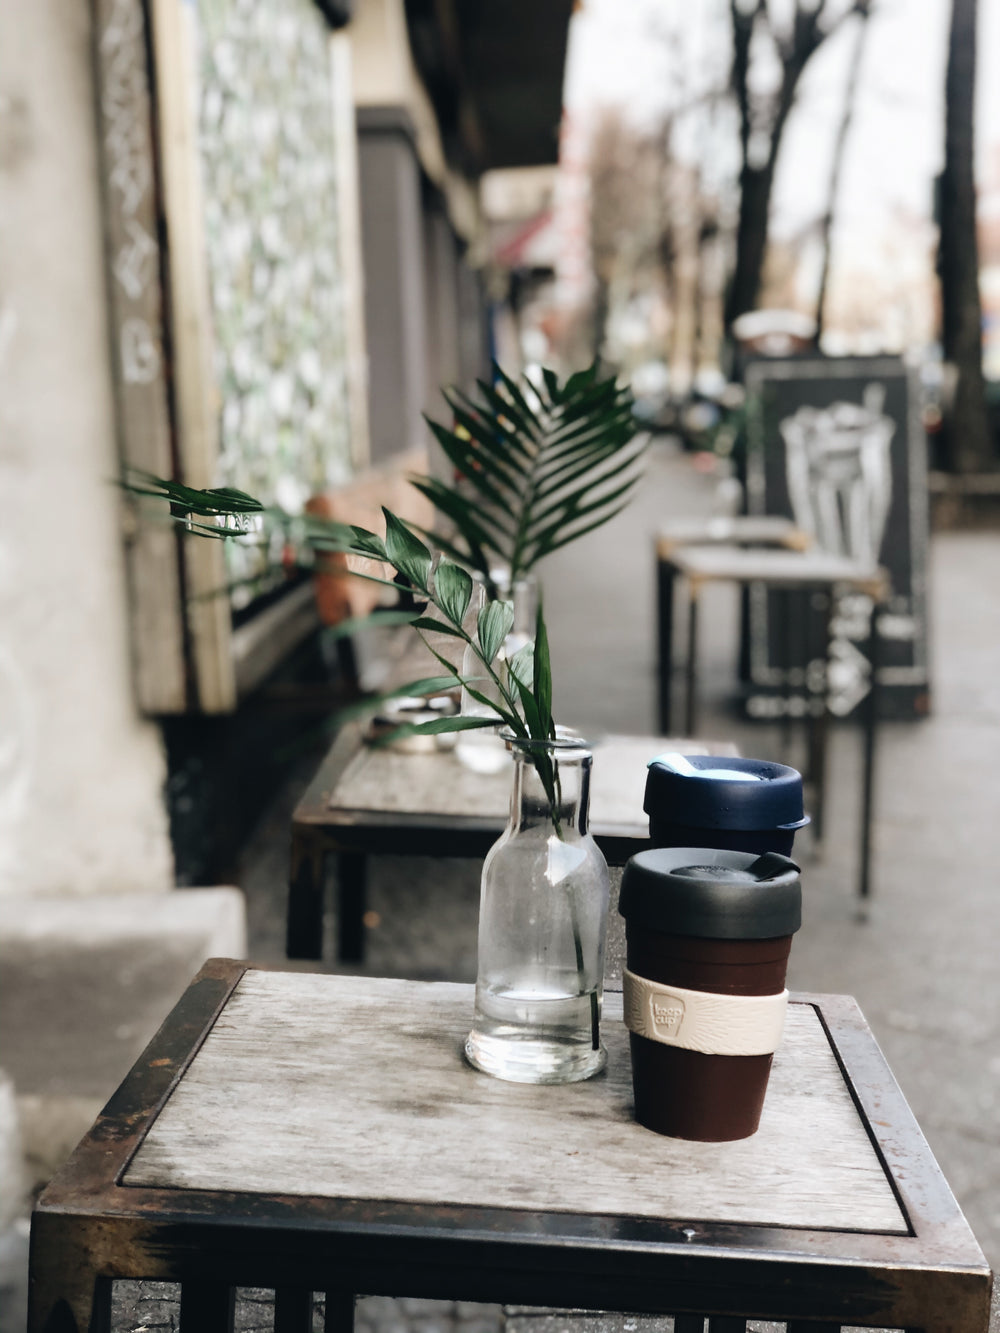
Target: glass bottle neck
pixel 530 803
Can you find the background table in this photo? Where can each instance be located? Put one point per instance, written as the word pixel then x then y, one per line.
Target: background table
pixel 788 570
pixel 323 1133
pixel 365 801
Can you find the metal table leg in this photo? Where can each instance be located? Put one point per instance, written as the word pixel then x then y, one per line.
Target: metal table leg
pixel 293 1310
pixel 207 1307
pixel 665 583
pixel 691 674
pixel 306 892
pixel 870 724
pixel 351 884
pixel 339 1312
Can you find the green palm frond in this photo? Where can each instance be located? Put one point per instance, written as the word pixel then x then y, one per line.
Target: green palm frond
pixel 188 503
pixel 539 465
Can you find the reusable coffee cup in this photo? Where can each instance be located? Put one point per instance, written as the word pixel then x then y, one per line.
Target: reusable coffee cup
pixel 700 800
pixel 708 933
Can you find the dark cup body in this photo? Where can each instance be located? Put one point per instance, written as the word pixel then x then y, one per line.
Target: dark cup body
pixel 687 1094
pixel 664 834
pixel 712 920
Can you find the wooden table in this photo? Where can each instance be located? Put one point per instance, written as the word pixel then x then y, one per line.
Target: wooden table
pixel 730 530
pixel 789 570
pixel 365 801
pixel 323 1133
pixel 739 530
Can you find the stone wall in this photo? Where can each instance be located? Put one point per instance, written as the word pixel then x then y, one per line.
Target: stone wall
pixel 269 172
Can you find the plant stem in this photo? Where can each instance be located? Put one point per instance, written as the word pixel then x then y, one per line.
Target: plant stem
pixel 595 1022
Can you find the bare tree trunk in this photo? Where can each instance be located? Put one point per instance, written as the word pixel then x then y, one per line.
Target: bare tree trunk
pixel 757 180
pixel 843 130
pixel 751 240
pixel 968 444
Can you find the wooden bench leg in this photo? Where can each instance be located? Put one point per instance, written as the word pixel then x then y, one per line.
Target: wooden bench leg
pixel 689 1323
pixel 207 1307
pixel 306 893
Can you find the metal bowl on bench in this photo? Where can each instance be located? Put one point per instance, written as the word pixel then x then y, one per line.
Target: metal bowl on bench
pixel 397 712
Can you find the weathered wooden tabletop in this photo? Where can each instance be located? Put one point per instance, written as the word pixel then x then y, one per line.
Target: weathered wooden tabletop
pixel 778 568
pixel 358 783
pixel 315 1132
pixel 371 1099
pixel 386 781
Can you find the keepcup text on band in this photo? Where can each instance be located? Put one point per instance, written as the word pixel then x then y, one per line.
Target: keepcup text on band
pixel 702 1020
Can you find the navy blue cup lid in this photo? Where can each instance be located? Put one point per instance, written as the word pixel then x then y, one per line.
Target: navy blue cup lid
pixel 714 791
pixel 706 893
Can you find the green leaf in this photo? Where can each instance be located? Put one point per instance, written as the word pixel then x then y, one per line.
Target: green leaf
pixel 495 622
pixel 530 707
pixel 452 590
pixel 501 433
pixel 571 509
pixel 537 458
pixel 325 534
pixel 241 502
pixel 474 520
pixel 435 727
pixel 473 466
pixel 376 620
pixel 368 543
pixel 474 558
pixel 522 665
pixel 207 503
pixel 406 552
pixel 564 538
pixel 515 396
pixel 542 686
pixel 490 436
pixel 431 626
pixel 581 380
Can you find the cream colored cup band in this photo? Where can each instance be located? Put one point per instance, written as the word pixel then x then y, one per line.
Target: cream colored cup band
pixel 703 1021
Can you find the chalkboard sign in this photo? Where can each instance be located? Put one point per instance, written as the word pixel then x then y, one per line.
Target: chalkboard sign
pixel 838 445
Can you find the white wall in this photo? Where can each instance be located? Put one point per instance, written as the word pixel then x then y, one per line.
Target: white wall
pixel 81 773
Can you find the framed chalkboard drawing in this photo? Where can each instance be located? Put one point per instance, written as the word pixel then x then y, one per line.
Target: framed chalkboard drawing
pixel 837 444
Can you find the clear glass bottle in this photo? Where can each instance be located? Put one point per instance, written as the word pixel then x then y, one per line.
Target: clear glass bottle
pixel 542 926
pixel 482 751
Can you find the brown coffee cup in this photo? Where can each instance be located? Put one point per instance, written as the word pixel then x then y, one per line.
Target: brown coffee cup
pixel 708 934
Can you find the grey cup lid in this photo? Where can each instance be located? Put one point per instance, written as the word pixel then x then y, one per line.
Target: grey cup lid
pixel 708 893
